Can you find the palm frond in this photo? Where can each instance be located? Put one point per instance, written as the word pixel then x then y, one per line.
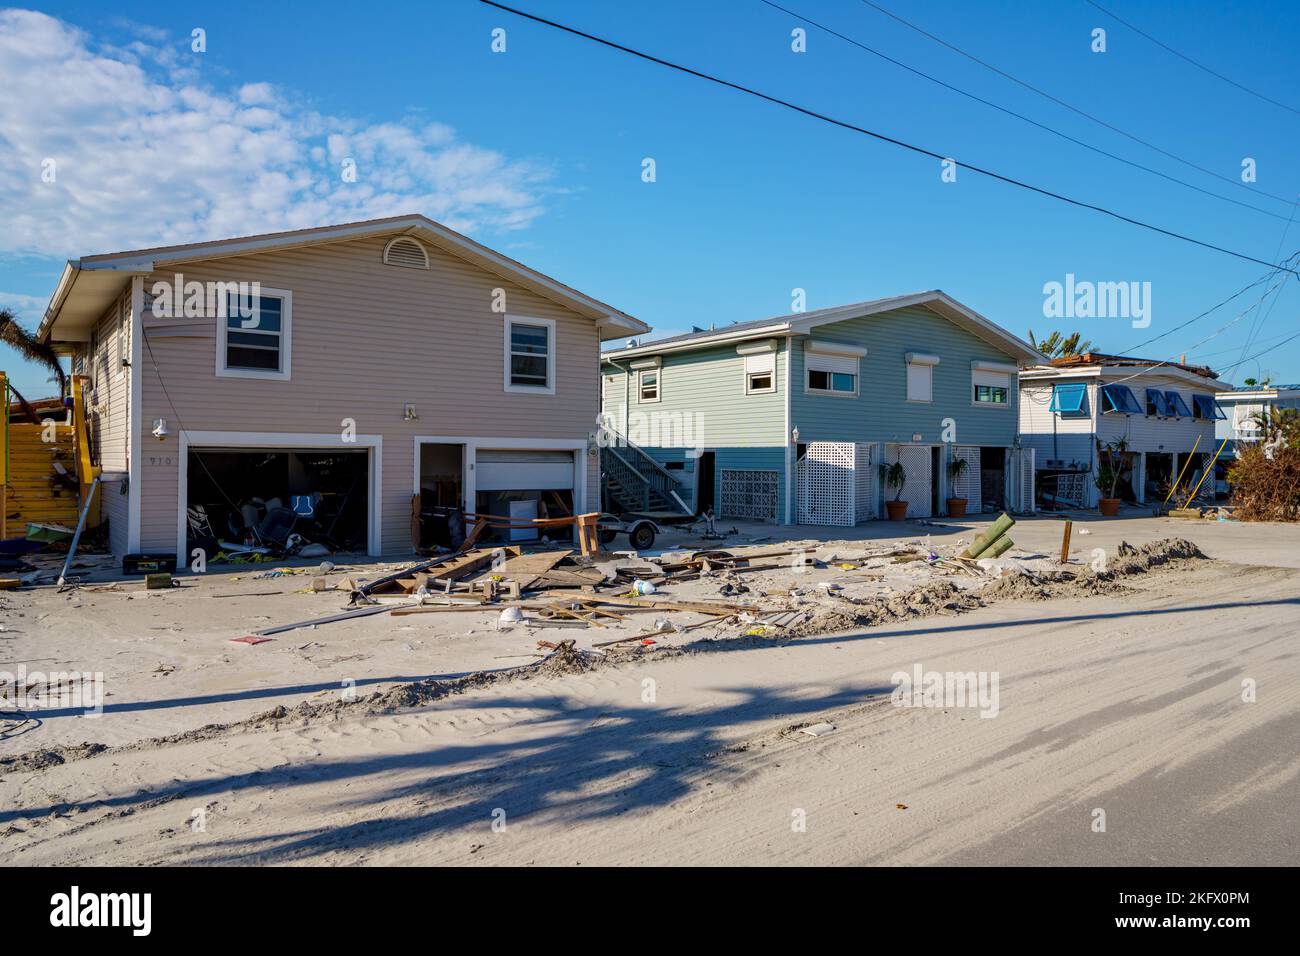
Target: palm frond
pixel 25 344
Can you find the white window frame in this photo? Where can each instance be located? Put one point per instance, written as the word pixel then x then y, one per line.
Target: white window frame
pixel 768 368
pixel 825 353
pixel 987 373
pixel 285 372
pixel 640 385
pixel 549 387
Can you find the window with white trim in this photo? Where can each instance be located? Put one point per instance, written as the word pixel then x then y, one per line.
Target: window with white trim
pixel 647 388
pixel 530 355
pixel 834 374
pixel 254 335
pixel 760 373
pixel 990 388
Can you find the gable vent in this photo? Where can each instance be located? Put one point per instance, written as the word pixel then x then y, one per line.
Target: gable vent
pixel 408 252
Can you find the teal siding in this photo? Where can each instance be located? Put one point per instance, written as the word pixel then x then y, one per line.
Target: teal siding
pixel 769 458
pixel 709 385
pixel 880 412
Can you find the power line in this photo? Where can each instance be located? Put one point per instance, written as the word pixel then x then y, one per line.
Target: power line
pixel 1020 116
pixel 1069 106
pixel 1262 316
pixel 843 124
pixel 1264 278
pixel 1196 63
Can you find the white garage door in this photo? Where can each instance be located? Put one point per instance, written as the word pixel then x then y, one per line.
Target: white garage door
pixel 507 469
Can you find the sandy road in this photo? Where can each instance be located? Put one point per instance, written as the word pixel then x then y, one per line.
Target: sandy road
pixel 1132 706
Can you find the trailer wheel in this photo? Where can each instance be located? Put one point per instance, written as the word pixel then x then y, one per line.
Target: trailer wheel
pixel 606 535
pixel 642 537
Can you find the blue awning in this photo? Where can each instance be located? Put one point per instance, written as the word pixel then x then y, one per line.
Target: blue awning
pixel 1119 398
pixel 1157 398
pixel 1177 407
pixel 1069 398
pixel 1206 407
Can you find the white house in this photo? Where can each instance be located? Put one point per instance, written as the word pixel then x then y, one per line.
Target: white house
pixel 1165 412
pixel 1242 407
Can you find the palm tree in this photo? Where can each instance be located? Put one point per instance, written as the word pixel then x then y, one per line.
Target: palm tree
pixel 1058 346
pixel 25 344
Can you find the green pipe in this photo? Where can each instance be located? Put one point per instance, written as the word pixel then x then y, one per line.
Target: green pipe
pixel 996 530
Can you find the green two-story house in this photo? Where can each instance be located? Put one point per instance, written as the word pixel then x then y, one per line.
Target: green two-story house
pixel 788 419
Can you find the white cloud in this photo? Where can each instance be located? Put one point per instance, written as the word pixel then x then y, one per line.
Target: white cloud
pixel 28 308
pixel 144 154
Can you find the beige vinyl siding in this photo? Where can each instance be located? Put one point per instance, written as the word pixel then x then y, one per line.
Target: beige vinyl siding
pixel 367 338
pixel 113 507
pixel 110 385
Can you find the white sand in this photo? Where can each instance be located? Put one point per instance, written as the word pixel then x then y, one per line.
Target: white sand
pixel 1131 704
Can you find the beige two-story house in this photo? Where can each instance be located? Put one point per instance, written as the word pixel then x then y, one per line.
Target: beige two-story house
pixel 349 376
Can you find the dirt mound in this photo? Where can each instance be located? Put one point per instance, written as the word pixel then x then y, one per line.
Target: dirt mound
pixel 1131 560
pixel 941 597
pixel 49 757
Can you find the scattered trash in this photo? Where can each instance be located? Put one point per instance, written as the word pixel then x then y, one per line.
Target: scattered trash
pixel 249 639
pixel 817 730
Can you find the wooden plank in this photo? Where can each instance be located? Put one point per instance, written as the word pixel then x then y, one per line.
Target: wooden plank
pixel 527 568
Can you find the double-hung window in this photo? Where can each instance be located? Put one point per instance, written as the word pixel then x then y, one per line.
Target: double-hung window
pixel 530 355
pixel 254 336
pixel 648 385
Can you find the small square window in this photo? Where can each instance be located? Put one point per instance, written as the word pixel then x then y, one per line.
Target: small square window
pixel 648 385
pixel 760 382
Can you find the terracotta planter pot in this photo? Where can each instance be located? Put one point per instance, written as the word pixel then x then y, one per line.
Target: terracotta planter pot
pixel 956 507
pixel 1109 506
pixel 897 510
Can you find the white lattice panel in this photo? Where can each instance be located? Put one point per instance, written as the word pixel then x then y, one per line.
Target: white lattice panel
pixel 916 491
pixel 968 485
pixel 749 494
pixel 864 481
pixel 826 484
pixel 1026 464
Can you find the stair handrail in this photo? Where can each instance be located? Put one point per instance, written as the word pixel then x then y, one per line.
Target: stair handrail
pixel 4 455
pixel 87 470
pixel 630 470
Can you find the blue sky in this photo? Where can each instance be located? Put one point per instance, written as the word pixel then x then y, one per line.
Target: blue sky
pixel 538 151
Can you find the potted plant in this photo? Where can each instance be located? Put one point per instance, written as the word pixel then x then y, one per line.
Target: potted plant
pixel 956 506
pixel 1110 468
pixel 895 476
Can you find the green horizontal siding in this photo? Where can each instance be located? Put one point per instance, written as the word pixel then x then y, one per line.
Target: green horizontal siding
pixel 709 386
pixel 880 412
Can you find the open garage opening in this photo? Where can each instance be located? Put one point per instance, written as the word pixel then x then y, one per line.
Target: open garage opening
pixel 274 500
